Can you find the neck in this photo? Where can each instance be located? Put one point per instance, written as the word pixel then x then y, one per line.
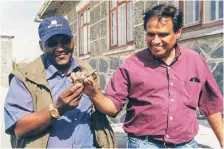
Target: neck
pixel 64 69
pixel 169 58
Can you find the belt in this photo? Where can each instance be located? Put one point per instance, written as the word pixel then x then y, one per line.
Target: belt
pixel 151 139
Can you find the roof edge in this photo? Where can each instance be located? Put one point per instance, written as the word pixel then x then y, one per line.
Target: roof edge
pixel 7 36
pixel 38 18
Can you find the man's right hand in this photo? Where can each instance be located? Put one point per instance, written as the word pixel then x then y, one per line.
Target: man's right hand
pixel 69 98
pixel 34 123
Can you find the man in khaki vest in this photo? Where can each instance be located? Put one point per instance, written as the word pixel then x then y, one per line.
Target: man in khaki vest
pixel 43 109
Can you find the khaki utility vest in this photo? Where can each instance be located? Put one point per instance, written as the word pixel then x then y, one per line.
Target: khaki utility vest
pixel 33 76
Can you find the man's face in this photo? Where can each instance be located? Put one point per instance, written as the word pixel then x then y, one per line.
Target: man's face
pixel 160 36
pixel 58 49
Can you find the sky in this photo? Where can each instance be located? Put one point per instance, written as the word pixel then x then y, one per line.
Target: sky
pixel 17 19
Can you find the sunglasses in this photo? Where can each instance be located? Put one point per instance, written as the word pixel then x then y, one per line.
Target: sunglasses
pixel 54 42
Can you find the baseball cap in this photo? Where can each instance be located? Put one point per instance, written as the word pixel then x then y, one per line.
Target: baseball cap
pixel 53 25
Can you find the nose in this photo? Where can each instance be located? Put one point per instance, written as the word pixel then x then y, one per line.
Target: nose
pixel 60 47
pixel 156 40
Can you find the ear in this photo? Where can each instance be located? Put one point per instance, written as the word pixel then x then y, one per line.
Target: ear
pixel 178 33
pixel 72 44
pixel 41 46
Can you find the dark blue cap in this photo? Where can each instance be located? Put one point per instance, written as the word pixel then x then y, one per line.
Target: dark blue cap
pixel 53 25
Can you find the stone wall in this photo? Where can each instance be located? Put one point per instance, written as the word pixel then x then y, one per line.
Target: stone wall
pixel 98 27
pixel 6 60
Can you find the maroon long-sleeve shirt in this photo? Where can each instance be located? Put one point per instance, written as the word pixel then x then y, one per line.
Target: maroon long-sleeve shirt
pixel 162 99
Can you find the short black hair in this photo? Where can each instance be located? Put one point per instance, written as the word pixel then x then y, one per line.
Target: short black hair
pixel 165 10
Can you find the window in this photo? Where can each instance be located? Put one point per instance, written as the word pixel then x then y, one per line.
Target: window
pixel 191 12
pixel 83 32
pixel 213 10
pixel 121 23
pixel 199 14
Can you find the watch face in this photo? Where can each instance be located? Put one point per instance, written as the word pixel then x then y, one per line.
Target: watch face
pixel 54 113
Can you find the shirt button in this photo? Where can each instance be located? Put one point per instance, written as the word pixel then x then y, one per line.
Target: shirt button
pixel 171 83
pixel 167 136
pixel 76 142
pixel 171 118
pixel 168 67
pixel 172 100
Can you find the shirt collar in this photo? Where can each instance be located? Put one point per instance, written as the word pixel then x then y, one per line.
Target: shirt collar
pixel 51 70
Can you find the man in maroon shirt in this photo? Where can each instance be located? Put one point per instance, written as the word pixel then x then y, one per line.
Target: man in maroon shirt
pixel 163 85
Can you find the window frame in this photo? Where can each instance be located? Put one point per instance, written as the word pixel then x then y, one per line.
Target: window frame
pixel 115 8
pixel 81 27
pixel 201 24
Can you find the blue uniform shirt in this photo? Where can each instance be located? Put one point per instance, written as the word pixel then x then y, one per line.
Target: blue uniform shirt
pixel 72 130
